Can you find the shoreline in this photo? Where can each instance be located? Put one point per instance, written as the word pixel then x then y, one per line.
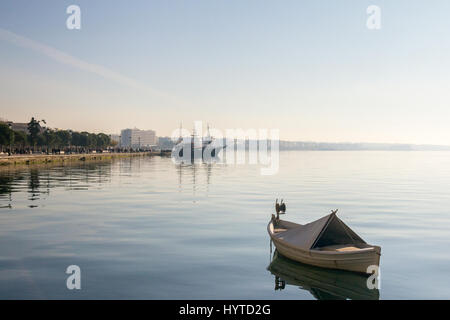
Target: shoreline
pixel 20 160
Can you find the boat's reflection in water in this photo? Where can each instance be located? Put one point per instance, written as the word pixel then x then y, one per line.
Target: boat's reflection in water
pixel 323 284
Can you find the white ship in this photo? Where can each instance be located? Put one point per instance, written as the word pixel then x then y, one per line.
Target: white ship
pixel 200 147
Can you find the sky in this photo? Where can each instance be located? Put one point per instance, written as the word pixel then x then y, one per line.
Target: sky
pixel 311 69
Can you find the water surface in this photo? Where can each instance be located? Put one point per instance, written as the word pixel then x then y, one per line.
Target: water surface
pixel 148 228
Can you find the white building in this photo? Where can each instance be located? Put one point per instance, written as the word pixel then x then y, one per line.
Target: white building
pixel 136 138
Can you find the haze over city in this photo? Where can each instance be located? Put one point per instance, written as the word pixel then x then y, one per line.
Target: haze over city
pixel 312 70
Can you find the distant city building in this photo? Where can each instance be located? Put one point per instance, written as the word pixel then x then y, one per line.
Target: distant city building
pixel 16 126
pixel 135 138
pixel 115 138
pixel 19 126
pixel 165 143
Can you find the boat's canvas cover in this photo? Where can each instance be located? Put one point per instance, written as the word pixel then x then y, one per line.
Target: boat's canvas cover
pixel 329 230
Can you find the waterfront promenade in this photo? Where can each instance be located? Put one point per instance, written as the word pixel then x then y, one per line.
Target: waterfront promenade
pixel 29 159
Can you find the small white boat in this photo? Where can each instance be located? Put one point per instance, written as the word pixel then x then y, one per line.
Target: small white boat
pixel 327 242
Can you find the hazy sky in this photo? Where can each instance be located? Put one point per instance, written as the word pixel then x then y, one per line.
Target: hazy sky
pixel 310 68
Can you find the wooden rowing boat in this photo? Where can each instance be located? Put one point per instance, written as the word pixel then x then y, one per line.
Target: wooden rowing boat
pixel 327 242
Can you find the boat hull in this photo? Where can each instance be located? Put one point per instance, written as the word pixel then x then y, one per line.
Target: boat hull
pixel 356 261
pixel 204 152
pixel 320 282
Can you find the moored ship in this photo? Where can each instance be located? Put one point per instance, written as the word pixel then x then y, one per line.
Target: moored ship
pixel 196 147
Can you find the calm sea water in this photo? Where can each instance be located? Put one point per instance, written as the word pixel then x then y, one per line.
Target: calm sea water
pixel 147 228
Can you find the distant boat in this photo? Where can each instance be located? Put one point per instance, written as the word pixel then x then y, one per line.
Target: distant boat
pixel 200 147
pixel 323 284
pixel 327 242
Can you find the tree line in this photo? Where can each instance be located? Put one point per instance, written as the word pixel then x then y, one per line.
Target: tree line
pixel 44 139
